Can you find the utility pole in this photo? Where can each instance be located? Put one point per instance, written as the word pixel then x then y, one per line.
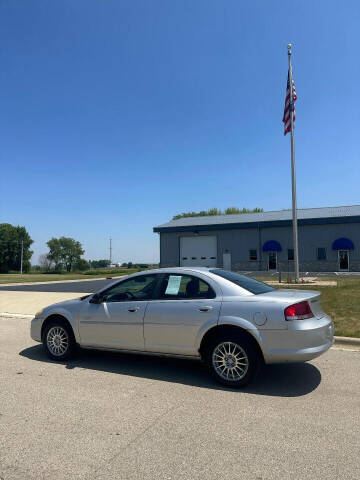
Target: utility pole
pixel 21 257
pixel 110 252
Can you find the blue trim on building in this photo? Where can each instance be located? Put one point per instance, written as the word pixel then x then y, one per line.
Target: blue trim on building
pixel 271 246
pixel 343 244
pixel 275 223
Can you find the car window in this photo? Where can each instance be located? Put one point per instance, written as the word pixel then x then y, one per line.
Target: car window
pixel 136 288
pixel 249 284
pixel 179 287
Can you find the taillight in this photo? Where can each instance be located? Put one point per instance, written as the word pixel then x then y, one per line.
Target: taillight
pixel 298 311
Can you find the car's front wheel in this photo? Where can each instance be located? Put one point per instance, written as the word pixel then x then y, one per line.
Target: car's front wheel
pixel 233 360
pixel 58 340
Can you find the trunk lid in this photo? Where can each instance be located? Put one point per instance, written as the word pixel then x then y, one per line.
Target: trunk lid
pixel 289 297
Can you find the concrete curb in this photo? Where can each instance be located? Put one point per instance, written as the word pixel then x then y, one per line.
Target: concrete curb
pixel 348 341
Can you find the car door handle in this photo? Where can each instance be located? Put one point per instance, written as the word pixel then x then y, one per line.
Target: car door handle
pixel 205 309
pixel 133 309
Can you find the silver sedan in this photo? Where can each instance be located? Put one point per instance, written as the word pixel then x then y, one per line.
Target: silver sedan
pixel 232 322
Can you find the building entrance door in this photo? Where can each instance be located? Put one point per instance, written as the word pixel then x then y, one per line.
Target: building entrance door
pixel 344 260
pixel 272 261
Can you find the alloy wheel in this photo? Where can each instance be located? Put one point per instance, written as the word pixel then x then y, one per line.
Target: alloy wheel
pixel 230 361
pixel 57 341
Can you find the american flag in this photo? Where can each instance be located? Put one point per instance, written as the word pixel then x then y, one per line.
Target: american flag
pixel 286 117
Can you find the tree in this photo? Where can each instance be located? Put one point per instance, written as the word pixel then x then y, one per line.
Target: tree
pixel 56 253
pixel 11 239
pixel 217 211
pixel 64 252
pixel 45 262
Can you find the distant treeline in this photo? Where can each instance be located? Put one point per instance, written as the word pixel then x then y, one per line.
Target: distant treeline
pixel 218 211
pixel 64 255
pixel 137 265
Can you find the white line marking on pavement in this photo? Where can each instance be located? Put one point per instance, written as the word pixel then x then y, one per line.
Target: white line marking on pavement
pixel 16 315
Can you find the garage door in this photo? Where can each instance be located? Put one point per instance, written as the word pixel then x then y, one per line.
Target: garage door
pixel 200 251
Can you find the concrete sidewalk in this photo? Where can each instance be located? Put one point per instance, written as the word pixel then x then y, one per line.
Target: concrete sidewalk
pixel 28 303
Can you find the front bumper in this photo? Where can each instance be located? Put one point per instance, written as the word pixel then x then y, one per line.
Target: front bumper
pixel 302 341
pixel 35 329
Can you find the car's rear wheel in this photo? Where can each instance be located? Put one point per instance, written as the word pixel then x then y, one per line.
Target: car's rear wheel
pixel 58 340
pixel 233 360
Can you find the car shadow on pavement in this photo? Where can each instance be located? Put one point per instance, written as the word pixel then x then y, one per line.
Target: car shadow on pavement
pixel 286 380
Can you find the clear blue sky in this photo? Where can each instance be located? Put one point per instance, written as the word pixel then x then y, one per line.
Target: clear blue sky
pixel 115 115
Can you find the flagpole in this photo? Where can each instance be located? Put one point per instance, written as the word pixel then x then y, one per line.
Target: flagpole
pixel 293 173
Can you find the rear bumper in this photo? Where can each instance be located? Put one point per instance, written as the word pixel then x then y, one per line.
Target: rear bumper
pixel 298 356
pixel 303 340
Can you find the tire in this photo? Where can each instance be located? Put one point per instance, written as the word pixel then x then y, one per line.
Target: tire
pixel 58 340
pixel 232 359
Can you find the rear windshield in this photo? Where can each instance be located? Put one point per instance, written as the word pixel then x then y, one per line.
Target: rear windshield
pixel 249 284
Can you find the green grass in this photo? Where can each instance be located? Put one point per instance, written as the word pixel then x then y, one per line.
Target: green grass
pixel 51 277
pixel 342 303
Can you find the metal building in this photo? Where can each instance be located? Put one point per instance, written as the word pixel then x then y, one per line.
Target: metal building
pixel 329 240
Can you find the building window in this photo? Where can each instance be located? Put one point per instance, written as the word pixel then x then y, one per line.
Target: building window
pixel 290 254
pixel 253 254
pixel 321 253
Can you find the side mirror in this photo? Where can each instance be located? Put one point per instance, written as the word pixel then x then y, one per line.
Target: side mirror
pixel 96 299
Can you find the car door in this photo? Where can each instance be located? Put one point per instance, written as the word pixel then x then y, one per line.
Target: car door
pixel 183 304
pixel 117 321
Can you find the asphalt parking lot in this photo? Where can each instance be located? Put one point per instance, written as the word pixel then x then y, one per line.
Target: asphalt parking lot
pixel 89 286
pixel 119 416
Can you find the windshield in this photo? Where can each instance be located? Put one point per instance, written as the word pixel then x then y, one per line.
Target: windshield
pixel 249 284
